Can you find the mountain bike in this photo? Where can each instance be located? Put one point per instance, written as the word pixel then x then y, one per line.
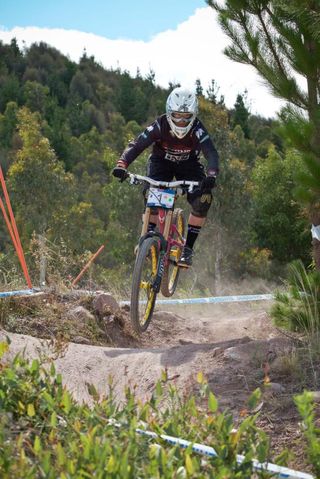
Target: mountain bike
pixel 156 267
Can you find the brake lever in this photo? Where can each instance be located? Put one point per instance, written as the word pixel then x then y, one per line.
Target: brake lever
pixel 134 181
pixel 191 188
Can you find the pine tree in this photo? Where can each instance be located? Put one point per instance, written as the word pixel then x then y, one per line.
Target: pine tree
pixel 199 89
pixel 281 40
pixel 241 115
pixel 212 94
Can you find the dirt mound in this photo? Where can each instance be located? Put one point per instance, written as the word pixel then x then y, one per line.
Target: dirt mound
pixel 177 341
pixel 184 342
pixel 80 364
pixel 79 317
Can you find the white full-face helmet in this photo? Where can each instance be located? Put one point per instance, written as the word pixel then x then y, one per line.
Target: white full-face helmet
pixel 181 109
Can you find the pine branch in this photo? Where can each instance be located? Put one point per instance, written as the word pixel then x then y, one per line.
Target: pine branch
pixel 270 43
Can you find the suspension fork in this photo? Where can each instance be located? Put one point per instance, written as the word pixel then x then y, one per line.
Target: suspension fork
pixel 164 224
pixel 164 221
pixel 161 260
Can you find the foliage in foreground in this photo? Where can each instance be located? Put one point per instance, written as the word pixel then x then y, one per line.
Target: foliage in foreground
pixel 45 433
pixel 299 308
pixel 306 407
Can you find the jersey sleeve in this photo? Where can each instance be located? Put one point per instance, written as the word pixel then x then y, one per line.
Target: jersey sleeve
pixel 207 147
pixel 139 144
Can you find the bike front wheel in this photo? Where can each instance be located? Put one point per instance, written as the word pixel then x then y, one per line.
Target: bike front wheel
pixel 172 270
pixel 143 297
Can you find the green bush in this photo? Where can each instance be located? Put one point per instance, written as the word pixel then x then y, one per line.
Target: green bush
pixel 299 307
pixel 44 433
pixel 306 406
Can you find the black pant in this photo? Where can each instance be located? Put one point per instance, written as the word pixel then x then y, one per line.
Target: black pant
pixel 164 170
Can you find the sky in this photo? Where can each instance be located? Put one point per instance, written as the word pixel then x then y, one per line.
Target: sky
pixel 180 40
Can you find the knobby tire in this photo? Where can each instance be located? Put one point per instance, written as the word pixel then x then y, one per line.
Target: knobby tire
pixel 143 298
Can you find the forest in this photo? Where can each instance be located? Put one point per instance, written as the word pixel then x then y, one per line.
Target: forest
pixel 63 126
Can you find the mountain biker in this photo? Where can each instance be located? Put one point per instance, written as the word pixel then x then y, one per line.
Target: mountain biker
pixel 178 137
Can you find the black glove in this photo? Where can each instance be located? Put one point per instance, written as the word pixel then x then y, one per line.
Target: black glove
pixel 209 182
pixel 120 171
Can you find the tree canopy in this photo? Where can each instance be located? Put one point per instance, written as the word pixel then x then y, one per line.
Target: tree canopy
pixel 281 40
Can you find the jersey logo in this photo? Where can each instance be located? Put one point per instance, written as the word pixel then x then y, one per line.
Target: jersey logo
pixel 199 133
pixel 176 154
pixel 176 158
pixel 206 198
pixel 149 130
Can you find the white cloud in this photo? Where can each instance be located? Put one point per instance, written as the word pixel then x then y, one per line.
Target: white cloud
pixel 193 50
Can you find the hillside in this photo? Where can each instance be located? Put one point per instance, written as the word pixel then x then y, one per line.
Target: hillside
pixel 62 127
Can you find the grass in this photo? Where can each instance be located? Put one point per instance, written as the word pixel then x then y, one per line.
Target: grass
pixel 51 316
pixel 298 309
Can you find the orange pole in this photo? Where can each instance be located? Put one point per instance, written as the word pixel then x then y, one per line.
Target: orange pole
pixel 87 265
pixel 15 230
pixel 23 265
pixel 9 227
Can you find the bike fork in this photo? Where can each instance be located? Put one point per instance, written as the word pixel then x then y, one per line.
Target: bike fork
pixel 157 282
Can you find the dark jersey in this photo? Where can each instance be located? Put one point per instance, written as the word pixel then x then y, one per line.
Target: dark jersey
pixel 167 146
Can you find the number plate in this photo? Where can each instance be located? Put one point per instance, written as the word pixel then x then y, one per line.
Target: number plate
pixel 163 198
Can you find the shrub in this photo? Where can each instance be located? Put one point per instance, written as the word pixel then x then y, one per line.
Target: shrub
pixel 306 406
pixel 45 433
pixel 299 307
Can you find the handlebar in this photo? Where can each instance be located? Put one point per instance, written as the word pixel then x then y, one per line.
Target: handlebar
pixel 138 179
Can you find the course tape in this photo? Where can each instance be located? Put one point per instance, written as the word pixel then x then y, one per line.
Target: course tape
pixel 23 292
pixel 212 299
pixel 278 471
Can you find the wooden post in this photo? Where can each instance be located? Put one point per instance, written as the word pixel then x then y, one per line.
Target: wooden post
pixel 43 261
pixel 74 282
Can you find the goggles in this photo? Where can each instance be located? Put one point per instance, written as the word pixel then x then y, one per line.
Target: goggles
pixel 181 117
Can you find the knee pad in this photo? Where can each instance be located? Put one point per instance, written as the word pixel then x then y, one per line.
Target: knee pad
pixel 200 204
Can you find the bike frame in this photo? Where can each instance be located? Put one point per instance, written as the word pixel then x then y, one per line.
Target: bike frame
pixel 165 233
pixel 166 229
pixel 164 217
pixel 165 226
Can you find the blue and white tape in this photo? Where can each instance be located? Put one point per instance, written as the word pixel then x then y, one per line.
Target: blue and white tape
pixel 23 292
pixel 212 299
pixel 273 469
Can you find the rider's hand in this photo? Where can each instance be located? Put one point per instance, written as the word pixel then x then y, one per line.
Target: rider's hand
pixel 120 171
pixel 209 182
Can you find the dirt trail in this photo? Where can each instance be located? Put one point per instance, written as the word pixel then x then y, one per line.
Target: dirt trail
pixel 210 323
pixel 193 340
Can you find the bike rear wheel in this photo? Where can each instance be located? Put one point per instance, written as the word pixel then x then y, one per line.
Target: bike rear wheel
pixel 171 271
pixel 143 297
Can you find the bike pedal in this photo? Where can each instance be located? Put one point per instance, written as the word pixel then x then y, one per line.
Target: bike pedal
pixel 184 266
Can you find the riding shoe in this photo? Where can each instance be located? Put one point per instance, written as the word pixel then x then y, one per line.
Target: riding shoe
pixel 186 258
